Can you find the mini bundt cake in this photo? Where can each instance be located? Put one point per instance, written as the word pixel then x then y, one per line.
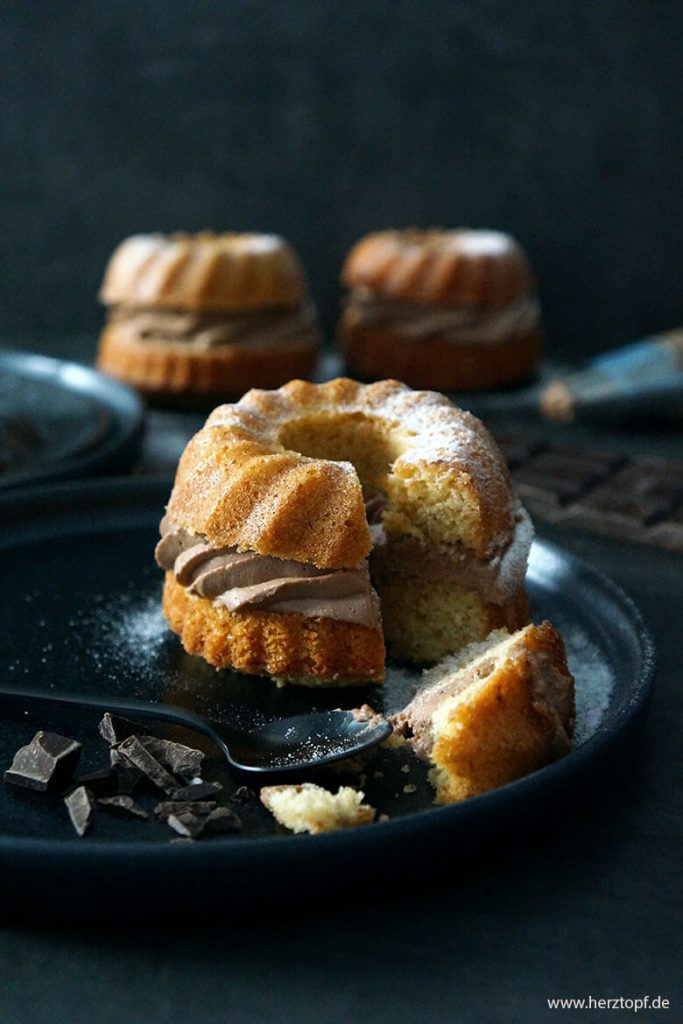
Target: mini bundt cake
pixel 198 319
pixel 266 537
pixel 492 713
pixel 450 310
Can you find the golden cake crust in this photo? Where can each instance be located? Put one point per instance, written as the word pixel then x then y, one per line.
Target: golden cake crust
pixel 238 484
pixel 457 267
pixel 378 350
pixel 287 647
pixel 183 373
pixel 204 272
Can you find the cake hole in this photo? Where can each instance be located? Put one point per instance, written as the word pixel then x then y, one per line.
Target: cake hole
pixel 370 443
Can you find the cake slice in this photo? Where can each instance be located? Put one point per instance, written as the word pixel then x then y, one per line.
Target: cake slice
pixel 495 711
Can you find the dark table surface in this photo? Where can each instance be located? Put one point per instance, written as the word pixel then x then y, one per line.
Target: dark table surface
pixel 583 901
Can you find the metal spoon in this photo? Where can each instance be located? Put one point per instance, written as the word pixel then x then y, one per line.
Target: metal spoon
pixel 286 744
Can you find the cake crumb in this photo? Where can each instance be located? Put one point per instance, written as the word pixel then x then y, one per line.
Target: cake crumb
pixel 410 789
pixel 310 808
pixel 405 768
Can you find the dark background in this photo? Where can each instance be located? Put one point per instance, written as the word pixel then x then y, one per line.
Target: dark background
pixel 322 120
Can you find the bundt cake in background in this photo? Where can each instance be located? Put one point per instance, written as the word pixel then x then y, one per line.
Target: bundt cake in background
pixel 448 310
pixel 492 713
pixel 282 497
pixel 198 319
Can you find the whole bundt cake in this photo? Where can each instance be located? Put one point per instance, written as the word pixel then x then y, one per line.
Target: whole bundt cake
pixel 297 514
pixel 454 310
pixel 198 318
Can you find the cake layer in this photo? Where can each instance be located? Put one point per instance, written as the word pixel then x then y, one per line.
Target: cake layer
pixel 285 646
pixel 205 271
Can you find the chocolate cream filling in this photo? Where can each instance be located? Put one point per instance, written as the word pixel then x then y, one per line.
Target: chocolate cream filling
pixel 497 579
pixel 463 325
pixel 211 330
pixel 247 581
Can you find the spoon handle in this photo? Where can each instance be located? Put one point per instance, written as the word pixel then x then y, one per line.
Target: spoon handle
pixel 126 706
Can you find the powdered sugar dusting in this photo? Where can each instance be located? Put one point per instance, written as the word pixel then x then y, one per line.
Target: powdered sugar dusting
pixel 594 680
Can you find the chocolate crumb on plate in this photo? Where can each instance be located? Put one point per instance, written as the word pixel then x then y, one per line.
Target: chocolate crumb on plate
pixel 47 762
pixel 242 794
pixel 123 805
pixel 80 804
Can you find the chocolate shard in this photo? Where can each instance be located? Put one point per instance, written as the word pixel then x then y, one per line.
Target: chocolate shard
pixel 80 804
pixel 187 824
pixel 104 782
pixel 166 808
pixel 47 762
pixel 115 729
pixel 197 791
pixel 134 752
pixel 222 820
pixel 127 774
pixel 177 757
pixel 124 805
pixel 243 794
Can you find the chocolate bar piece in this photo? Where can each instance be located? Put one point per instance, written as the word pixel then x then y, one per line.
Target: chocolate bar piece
pixel 187 823
pixel 80 803
pixel 635 498
pixel 178 758
pixel 104 782
pixel 115 729
pixel 127 774
pixel 197 791
pixel 166 808
pixel 134 752
pixel 47 762
pixel 124 805
pixel 193 825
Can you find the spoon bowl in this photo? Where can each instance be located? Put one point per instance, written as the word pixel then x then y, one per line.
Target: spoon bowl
pixel 284 745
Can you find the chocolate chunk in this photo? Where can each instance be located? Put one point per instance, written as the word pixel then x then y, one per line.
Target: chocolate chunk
pixel 166 808
pixel 197 791
pixel 220 821
pixel 193 825
pixel 115 729
pixel 80 804
pixel 104 782
pixel 187 824
pixel 124 805
pixel 47 762
pixel 180 759
pixel 127 774
pixel 134 752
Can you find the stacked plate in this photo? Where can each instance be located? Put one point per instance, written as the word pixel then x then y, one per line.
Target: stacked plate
pixel 60 421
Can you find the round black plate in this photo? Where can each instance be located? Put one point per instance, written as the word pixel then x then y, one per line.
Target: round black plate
pixel 80 612
pixel 60 421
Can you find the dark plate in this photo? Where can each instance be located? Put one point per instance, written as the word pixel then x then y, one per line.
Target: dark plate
pixel 60 421
pixel 80 612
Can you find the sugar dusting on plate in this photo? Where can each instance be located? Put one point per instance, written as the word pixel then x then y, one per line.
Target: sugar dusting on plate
pixel 594 682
